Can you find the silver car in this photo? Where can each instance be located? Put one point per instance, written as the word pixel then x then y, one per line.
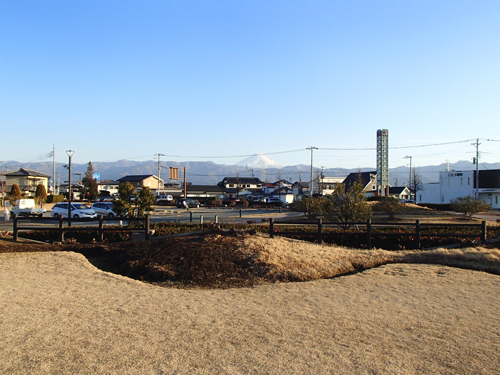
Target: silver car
pixel 78 210
pixel 104 208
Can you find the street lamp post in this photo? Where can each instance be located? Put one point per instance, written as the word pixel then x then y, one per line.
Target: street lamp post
pixel 70 154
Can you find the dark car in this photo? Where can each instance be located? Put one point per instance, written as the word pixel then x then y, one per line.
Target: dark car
pixel 187 202
pixel 230 200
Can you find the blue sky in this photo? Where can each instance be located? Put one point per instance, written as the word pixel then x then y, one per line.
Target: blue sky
pixel 221 80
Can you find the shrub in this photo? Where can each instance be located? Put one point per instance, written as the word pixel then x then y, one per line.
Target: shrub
pixel 347 206
pixel 312 207
pixel 468 206
pixel 55 198
pixel 391 206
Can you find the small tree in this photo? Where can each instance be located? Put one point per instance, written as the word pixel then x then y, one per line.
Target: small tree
pixel 15 193
pixel 312 207
pixel 123 206
pixel 348 206
pixel 390 205
pixel 144 201
pixel 41 194
pixel 90 185
pixel 468 206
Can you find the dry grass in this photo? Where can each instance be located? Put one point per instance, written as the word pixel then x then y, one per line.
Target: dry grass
pixel 284 259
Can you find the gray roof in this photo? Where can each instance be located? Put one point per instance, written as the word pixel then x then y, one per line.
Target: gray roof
pixel 136 177
pixel 26 172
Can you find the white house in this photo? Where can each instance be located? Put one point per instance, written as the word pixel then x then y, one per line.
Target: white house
pixel 455 184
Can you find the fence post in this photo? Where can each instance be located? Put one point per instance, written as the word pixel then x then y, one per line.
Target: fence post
pixel 201 219
pixel 101 231
pixel 320 231
pixel 216 219
pixel 483 232
pixel 61 230
pixel 271 227
pixel 14 228
pixel 369 233
pixel 190 217
pixel 240 212
pixel 147 226
pixel 417 234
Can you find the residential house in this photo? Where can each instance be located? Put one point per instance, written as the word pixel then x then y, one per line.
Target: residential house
pixel 27 180
pixel 326 185
pixel 143 180
pixel 107 186
pixel 400 192
pixel 368 181
pixel 240 186
pixel 300 188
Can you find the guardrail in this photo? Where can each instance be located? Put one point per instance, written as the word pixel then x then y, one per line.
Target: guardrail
pixel 370 234
pixel 61 228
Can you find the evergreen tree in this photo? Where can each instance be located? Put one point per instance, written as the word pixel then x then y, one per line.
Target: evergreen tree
pixel 15 193
pixel 123 206
pixel 41 194
pixel 90 185
pixel 144 201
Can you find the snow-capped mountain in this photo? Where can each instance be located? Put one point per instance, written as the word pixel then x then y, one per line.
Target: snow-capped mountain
pixel 258 161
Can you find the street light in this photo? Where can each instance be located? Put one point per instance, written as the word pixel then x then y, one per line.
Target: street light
pixel 70 154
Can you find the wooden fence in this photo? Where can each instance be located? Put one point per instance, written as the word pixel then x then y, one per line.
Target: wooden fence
pixel 18 226
pixel 368 226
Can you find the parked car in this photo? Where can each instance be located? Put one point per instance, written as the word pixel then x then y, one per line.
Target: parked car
pixel 277 201
pixel 189 203
pixel 78 210
pixel 164 200
pixel 104 208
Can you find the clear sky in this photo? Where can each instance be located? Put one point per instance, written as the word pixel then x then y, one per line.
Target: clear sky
pixel 221 80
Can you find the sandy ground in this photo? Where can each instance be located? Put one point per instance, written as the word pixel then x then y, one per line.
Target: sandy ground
pixel 61 315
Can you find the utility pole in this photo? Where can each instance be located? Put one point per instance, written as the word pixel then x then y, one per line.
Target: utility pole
pixel 159 171
pixel 54 169
pixel 409 183
pixel 312 181
pixel 476 161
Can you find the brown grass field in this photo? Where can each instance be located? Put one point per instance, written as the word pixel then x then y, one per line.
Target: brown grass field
pixel 241 303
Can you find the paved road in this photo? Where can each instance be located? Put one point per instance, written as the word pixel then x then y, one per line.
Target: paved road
pixel 492 215
pixel 169 214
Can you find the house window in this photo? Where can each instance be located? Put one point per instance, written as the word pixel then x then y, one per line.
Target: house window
pixel 442 199
pixel 231 185
pixel 468 180
pixel 374 187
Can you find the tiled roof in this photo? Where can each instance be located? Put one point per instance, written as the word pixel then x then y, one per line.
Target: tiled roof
pixel 136 177
pixel 26 172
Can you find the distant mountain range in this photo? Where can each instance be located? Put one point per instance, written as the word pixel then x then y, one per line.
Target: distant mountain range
pixel 209 173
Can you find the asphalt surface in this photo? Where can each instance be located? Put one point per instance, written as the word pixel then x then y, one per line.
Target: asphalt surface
pixel 169 214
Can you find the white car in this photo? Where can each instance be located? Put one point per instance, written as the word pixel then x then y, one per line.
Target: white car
pixel 78 210
pixel 104 208
pixel 277 201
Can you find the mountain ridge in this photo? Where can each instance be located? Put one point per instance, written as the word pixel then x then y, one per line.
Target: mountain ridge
pixel 210 173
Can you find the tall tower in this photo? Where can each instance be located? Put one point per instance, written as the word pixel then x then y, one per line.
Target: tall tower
pixel 383 161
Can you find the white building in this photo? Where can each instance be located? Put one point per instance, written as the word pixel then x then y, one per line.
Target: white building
pixel 455 184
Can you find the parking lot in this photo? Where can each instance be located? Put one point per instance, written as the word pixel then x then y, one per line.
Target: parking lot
pixel 182 215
